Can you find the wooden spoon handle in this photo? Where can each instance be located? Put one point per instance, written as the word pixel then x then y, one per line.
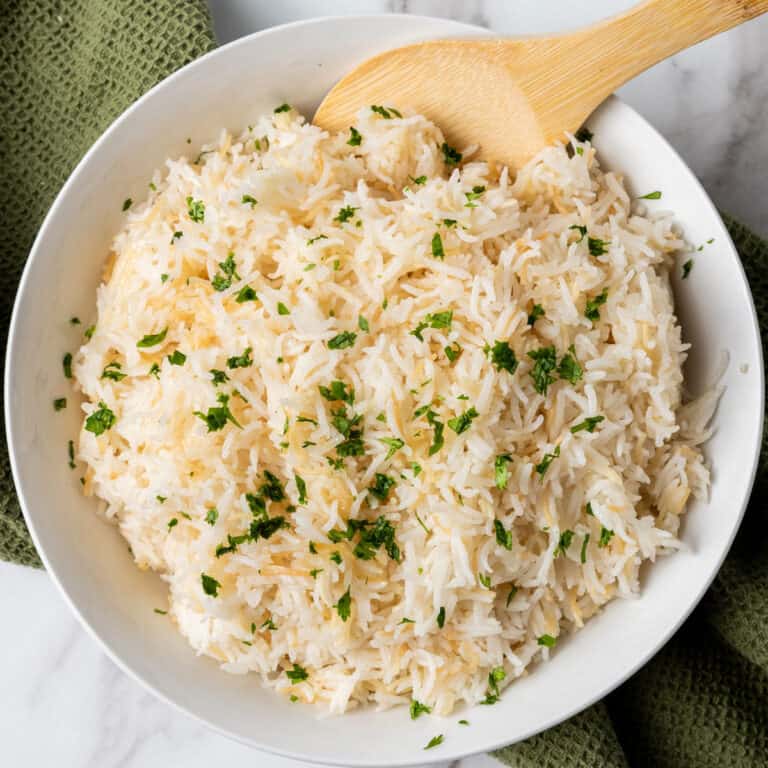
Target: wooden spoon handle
pixel 620 48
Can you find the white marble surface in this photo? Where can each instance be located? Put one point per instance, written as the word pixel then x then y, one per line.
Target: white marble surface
pixel 62 701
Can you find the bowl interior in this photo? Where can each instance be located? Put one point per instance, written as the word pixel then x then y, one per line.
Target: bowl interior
pixel 89 560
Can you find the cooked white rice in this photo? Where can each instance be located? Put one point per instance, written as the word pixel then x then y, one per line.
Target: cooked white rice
pixel 514 245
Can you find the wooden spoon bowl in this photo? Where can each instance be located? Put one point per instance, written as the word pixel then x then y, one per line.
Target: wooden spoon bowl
pixel 515 96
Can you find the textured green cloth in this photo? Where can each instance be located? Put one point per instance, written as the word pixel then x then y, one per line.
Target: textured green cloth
pixel 67 69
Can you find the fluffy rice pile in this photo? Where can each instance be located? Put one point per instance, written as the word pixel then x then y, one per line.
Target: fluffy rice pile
pixel 388 422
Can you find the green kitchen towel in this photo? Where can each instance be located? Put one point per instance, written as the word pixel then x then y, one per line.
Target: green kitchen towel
pixel 70 67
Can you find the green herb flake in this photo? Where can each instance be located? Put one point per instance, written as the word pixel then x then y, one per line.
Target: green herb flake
pixel 362 324
pixel 152 339
pixel 218 416
pixel 547 459
pixel 588 424
pixel 176 235
pixel 437 246
pixel 501 470
pixel 60 403
pixel 315 571
pixel 268 624
pixel 605 537
pixel 298 674
pixel 463 722
pixel 651 196
pixel 592 307
pixel 485 580
pixel 177 358
pixel 249 200
pixel 71 453
pixel 588 509
pixel 301 487
pixel 154 370
pixel 545 363
pixel 355 137
pixel 345 214
pixel 463 422
pixel 581 229
pixel 211 516
pixel 435 741
pixel 246 293
pixel 172 523
pixel 405 620
pixel 583 134
pixel 74 321
pixel 343 340
pixel 282 309
pixel 584 548
pixel 210 585
pixel 547 641
pixel 66 363
pixel 196 210
pixel 566 537
pixel 282 108
pixel 511 595
pixel 127 203
pixel 89 331
pixel 687 267
pixel 503 357
pixel 386 112
pixel 441 617
pixel 338 391
pixel 100 420
pixel 381 487
pixel 503 536
pixel 160 612
pixel 417 709
pixel 451 156
pixel 569 368
pixel 477 191
pixel 535 314
pixel 344 606
pixel 596 246
pixel 240 361
pixel 419 180
pixel 336 557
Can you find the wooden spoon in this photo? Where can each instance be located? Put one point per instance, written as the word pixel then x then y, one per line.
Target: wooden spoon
pixel 513 97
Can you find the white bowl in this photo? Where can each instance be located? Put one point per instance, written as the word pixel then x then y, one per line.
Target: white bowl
pixel 89 560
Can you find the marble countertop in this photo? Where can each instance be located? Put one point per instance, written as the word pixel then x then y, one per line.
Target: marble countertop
pixel 62 700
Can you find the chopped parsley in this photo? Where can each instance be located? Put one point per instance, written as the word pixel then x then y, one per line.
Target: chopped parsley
pixel 566 537
pixel 606 534
pixel 60 403
pixel 417 708
pixel 437 246
pixel 584 548
pixel 386 112
pixel 196 210
pixel 301 487
pixel 127 203
pixel 592 307
pixel 535 314
pixel 218 377
pixel 450 223
pixel 495 676
pixel 381 487
pixel 177 358
pixel 160 612
pixel 343 340
pixel 282 108
pixel 477 191
pixel 100 420
pixel 503 536
pixel 583 134
pixel 485 580
pixel 176 236
pixel 651 196
pixel 313 240
pixel 463 722
pixel 416 469
pixel 463 422
pixel 419 180
pixel 453 352
pixel 435 741
pixel 545 363
pixel 246 293
pixel 569 368
pixel 161 499
pixel 298 674
pixel 338 391
pixel 71 453
pixel 336 557
pixel 272 488
pixel 405 620
pixel 344 606
pixel 439 320
pixel 501 470
pixel 282 309
pixel 588 424
pixel 228 267
pixel 313 573
pixel 152 339
pixel 268 624
pixel 355 137
pixel 581 229
pixel 211 516
pixel 210 585
pixel 588 509
pixel 503 357
pixel 66 363
pixel 345 214
pixel 154 370
pixel 687 267
pixel 596 246
pixel 394 443
pixel 164 277
pixel 547 641
pixel 74 320
pixel 249 200
pixel 218 416
pixel 511 595
pixel 547 459
pixel 451 156
pixel 441 617
pixel 89 331
pixel 362 324
pixel 240 361
pixel 173 522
